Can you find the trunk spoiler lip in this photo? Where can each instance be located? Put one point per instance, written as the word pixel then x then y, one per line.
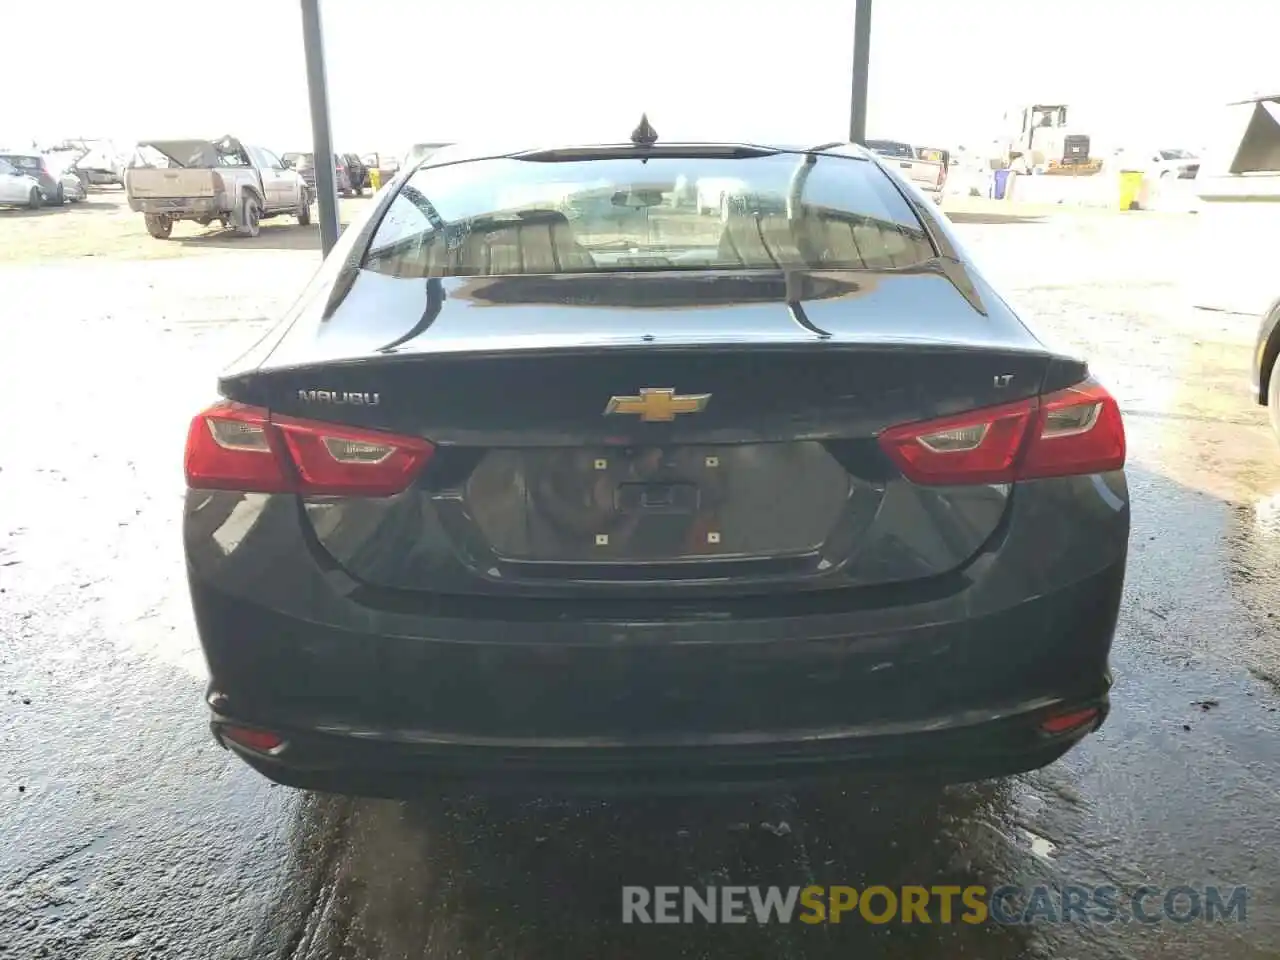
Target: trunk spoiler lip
pixel 231 385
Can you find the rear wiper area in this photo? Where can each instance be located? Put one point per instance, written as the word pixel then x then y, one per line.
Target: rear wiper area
pixel 724 151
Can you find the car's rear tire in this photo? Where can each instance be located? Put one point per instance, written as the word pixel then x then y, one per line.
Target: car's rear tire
pixel 1273 397
pixel 34 199
pixel 303 212
pixel 158 225
pixel 59 197
pixel 250 216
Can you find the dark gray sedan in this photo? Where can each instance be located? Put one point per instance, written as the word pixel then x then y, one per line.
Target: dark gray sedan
pixel 650 499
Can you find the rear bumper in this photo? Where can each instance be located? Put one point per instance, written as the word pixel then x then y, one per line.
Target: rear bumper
pixel 942 750
pixel 379 693
pixel 176 206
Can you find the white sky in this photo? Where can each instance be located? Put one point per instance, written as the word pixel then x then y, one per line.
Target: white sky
pixel 942 71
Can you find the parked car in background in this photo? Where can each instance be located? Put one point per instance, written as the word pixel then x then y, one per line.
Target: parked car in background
pixel 936 155
pixel 1173 163
pixel 97 162
pixel 17 189
pixel 929 175
pixel 387 165
pixel 37 167
pixel 357 173
pixel 205 180
pixel 305 165
pixel 73 188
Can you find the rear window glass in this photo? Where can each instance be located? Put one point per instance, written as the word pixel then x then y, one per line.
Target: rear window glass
pixel 506 216
pixel 23 162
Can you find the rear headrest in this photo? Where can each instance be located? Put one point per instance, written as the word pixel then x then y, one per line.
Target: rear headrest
pixel 538 241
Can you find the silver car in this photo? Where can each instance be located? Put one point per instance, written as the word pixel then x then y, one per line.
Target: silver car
pixel 72 187
pixel 17 189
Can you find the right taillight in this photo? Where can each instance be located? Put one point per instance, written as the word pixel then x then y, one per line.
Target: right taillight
pixel 231 446
pixel 1073 431
pixel 1079 431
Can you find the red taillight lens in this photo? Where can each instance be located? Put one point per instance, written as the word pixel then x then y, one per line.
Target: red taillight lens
pixel 1072 431
pixel 981 446
pixel 260 740
pixel 1062 722
pixel 1080 431
pixel 231 446
pixel 340 460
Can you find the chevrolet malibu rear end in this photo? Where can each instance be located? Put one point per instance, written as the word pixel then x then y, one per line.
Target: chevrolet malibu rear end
pixel 548 481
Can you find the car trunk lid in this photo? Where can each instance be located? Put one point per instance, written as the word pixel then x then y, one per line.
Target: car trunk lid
pixel 623 448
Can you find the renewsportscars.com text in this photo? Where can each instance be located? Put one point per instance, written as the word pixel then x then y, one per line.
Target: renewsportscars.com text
pixel 1010 905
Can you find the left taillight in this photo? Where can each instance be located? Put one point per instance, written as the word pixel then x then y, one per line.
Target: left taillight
pixel 1073 431
pixel 232 446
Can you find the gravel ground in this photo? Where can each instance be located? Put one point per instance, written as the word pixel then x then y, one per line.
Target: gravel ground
pixel 103 227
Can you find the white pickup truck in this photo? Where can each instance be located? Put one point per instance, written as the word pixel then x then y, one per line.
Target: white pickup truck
pixel 929 175
pixel 204 181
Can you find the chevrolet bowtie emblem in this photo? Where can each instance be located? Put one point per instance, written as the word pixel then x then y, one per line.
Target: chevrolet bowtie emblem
pixel 658 404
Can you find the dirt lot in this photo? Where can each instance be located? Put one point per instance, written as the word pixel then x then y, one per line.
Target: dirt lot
pixel 103 226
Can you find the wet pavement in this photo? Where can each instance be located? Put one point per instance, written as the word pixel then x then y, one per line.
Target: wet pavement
pixel 125 833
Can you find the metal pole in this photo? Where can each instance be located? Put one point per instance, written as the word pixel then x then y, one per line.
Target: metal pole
pixel 861 65
pixel 321 137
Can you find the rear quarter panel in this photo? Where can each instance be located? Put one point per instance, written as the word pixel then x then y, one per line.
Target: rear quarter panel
pixel 237 180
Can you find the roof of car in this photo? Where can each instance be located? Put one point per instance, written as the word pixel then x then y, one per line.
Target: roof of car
pixel 1256 98
pixel 486 150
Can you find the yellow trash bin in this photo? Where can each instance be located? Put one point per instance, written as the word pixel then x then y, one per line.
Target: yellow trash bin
pixel 375 178
pixel 1130 187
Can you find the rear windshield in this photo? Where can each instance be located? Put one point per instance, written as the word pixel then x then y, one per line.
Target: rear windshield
pixel 23 162
pixel 506 216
